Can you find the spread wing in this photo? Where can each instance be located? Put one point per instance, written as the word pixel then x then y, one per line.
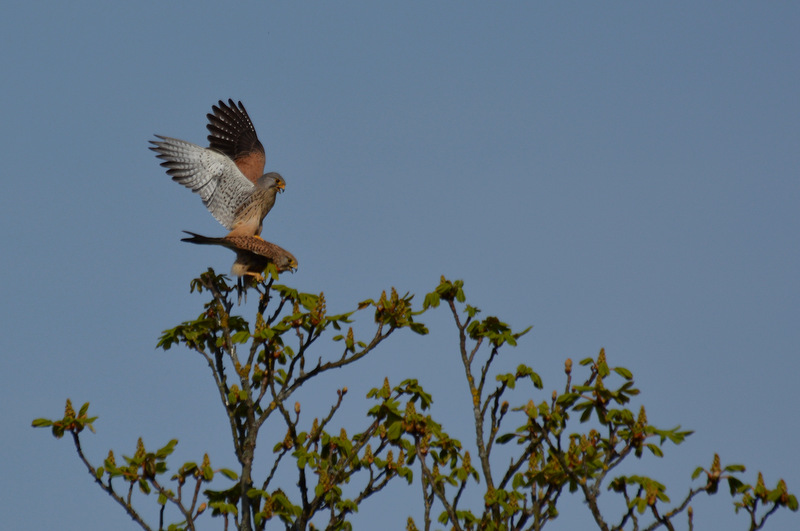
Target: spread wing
pixel 212 175
pixel 232 133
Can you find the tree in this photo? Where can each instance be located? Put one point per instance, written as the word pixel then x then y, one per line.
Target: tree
pixel 257 367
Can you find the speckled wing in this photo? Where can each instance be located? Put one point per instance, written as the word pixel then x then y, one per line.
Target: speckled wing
pixel 252 253
pixel 225 191
pixel 258 248
pixel 232 133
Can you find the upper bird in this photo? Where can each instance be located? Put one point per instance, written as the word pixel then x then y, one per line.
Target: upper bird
pixel 228 174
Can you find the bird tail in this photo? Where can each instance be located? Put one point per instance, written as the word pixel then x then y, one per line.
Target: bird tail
pixel 201 240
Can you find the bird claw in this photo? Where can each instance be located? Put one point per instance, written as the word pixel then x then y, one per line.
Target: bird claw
pixel 257 277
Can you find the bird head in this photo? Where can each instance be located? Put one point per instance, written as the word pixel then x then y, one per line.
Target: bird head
pixel 271 180
pixel 286 262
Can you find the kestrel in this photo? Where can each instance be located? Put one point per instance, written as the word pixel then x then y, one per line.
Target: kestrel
pixel 227 175
pixel 252 254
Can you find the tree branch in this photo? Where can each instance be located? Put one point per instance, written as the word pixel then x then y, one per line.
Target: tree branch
pixel 107 488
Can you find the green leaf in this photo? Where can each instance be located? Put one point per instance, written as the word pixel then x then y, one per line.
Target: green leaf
pixel 567 399
pixel 472 311
pixel 791 503
pixel 308 301
pixel 405 472
pixel 41 423
pixel 272 270
pixel 734 484
pixel 520 334
pixel 431 300
pixel 188 468
pixel 395 430
pixel 418 328
pixel 655 450
pixel 230 474
pixel 641 505
pixel 224 507
pixel 507 379
pixel 625 373
pixel 255 493
pixel 503 439
pixel 166 450
pixel 240 337
pixel 734 468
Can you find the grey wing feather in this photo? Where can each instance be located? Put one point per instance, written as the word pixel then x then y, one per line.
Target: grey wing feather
pixel 212 175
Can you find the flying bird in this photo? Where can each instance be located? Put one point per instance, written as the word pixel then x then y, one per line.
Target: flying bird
pixel 228 174
pixel 252 254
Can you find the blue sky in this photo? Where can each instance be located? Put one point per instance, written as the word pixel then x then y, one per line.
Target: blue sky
pixel 616 175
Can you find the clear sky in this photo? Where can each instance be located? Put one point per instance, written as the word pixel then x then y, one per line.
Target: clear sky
pixel 618 175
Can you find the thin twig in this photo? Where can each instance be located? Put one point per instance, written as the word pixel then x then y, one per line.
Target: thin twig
pixel 117 498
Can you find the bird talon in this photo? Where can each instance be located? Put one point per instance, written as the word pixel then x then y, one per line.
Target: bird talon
pixel 257 277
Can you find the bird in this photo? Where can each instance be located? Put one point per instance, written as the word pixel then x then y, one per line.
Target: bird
pixel 253 254
pixel 227 175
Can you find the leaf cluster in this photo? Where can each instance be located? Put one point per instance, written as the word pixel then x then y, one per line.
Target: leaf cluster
pixel 566 441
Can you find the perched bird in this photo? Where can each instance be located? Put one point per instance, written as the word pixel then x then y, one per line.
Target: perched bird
pixel 227 175
pixel 252 254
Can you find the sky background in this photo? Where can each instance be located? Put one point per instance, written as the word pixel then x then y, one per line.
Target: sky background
pixel 618 175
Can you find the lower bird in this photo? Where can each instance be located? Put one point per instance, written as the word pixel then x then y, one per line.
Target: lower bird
pixel 253 254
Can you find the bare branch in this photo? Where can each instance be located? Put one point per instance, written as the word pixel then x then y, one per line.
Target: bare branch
pixel 107 488
pixel 437 489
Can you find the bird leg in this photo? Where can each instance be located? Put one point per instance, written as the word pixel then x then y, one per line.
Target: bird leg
pixel 248 279
pixel 257 277
pixel 241 289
